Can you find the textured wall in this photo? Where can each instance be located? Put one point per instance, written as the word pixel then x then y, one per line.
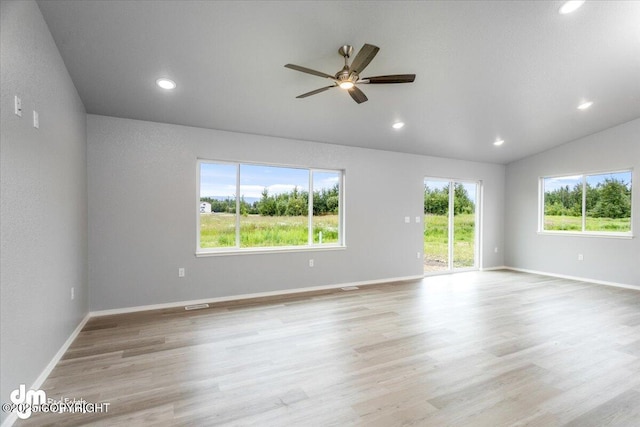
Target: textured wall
pixel 142 199
pixel 43 218
pixel 606 259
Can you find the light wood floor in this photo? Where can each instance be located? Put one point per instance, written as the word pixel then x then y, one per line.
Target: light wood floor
pixel 473 349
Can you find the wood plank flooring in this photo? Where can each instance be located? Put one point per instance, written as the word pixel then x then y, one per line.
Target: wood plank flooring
pixel 473 349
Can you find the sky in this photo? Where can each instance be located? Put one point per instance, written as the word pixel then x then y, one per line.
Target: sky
pixel 219 180
pixel 552 184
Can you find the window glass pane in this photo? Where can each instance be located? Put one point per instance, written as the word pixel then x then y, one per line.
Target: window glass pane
pixel 436 226
pixel 608 202
pixel 326 207
pixel 563 203
pixel 464 223
pixel 274 205
pixel 217 205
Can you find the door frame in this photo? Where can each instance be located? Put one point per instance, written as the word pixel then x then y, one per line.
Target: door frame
pixel 477 246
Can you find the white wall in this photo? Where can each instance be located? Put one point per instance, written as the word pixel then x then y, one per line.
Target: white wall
pixel 135 250
pixel 605 259
pixel 43 210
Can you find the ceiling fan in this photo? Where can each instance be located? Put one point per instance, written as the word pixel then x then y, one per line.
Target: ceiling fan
pixel 349 76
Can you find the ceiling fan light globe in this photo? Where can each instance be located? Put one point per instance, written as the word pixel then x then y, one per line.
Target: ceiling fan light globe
pixel 166 84
pixel 346 85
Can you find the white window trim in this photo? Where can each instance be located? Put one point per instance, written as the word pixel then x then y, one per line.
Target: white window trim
pixel 584 233
pixel 310 246
pixel 267 250
pixel 592 234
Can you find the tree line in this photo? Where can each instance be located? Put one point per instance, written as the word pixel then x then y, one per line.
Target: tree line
pixel 436 200
pixel 608 199
pixel 293 203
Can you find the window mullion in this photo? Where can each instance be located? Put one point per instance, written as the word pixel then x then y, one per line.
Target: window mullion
pixel 451 222
pixel 238 205
pixel 310 209
pixel 341 209
pixel 584 203
pixel 541 204
pixel 199 197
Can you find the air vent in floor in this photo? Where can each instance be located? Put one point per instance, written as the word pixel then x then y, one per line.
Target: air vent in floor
pixel 196 306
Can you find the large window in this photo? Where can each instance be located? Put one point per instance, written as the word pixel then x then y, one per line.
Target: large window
pixel 244 206
pixel 598 203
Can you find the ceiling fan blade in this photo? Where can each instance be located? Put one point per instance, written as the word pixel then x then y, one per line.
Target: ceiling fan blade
pixel 309 71
pixel 364 56
pixel 313 92
pixel 396 78
pixel 357 95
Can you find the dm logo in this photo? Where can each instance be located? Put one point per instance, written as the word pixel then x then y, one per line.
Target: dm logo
pixel 26 400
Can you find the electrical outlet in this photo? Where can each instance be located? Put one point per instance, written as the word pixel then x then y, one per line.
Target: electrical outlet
pixel 181 272
pixel 580 257
pixel 495 249
pixel 418 255
pixel 311 263
pixel 36 119
pixel 17 102
pixel 407 219
pixel 73 294
pixel 417 220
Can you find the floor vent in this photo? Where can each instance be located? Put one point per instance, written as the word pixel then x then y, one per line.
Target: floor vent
pixel 350 288
pixel 196 306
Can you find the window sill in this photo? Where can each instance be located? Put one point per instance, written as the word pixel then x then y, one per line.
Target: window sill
pixel 257 251
pixel 588 234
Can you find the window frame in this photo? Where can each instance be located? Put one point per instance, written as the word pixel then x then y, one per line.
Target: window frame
pixel 583 232
pixel 309 246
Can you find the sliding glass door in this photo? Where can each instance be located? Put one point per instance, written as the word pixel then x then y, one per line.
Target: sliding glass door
pixel 450 225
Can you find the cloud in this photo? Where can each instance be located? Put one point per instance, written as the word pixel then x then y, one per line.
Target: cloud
pixel 212 189
pixel 561 179
pixel 218 180
pixel 325 181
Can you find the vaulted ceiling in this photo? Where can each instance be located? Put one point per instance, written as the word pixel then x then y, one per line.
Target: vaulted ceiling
pixel 513 70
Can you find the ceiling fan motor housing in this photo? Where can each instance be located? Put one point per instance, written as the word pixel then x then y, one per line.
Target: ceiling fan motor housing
pixel 346 75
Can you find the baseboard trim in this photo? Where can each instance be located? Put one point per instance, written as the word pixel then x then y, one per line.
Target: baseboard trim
pixel 241 297
pixel 502 267
pixel 580 279
pixel 13 416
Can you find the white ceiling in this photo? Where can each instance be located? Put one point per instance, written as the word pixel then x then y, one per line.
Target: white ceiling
pixel 485 69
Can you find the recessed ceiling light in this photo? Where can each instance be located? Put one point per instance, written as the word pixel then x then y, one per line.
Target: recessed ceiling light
pixel 398 125
pixel 166 83
pixel 570 6
pixel 585 105
pixel 498 142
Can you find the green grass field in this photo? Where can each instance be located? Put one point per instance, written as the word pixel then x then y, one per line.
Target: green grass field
pixel 436 241
pixel 218 230
pixel 574 223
